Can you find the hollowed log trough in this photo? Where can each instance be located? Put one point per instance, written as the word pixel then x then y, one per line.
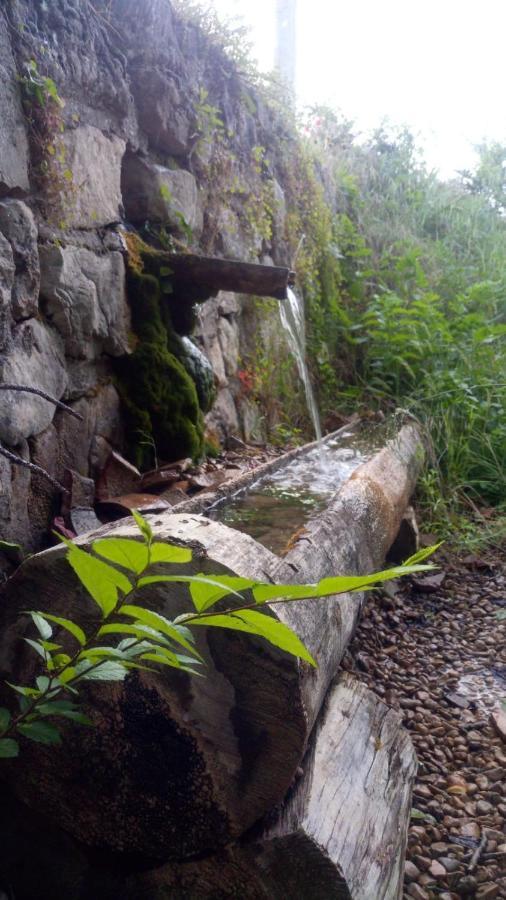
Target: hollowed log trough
pixel 177 768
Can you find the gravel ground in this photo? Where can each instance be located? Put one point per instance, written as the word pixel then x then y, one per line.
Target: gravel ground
pixel 437 653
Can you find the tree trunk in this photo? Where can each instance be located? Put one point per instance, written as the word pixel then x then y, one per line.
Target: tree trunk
pixel 179 766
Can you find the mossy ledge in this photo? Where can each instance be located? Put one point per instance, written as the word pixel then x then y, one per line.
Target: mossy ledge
pixel 160 399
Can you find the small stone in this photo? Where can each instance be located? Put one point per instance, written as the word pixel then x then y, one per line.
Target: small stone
pixel 487 891
pixel 411 872
pixel 457 780
pixel 467 885
pixel 483 808
pixel 498 722
pixel 457 700
pixel 423 863
pixel 437 870
pixel 439 847
pixel 451 865
pixel 414 890
pixel 471 829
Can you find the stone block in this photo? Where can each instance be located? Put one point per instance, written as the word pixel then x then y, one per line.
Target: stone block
pixel 7 270
pixel 13 137
pixel 228 334
pixel 223 416
pixel 35 360
pixel 162 113
pixel 17 224
pixel 84 297
pixel 153 192
pixel 94 159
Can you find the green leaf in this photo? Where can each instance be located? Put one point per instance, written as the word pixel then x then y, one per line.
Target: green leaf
pixel 126 552
pixel 159 624
pixel 8 748
pixel 42 683
pixel 5 718
pixel 194 580
pixel 106 671
pixel 25 691
pixel 103 582
pixel 169 553
pixel 339 584
pixel 42 626
pixel 63 708
pixel 37 647
pixel 69 626
pixel 143 525
pixel 253 622
pixel 425 817
pixel 206 592
pixel 165 661
pixel 501 614
pixel 422 554
pixel 40 732
pixel 95 652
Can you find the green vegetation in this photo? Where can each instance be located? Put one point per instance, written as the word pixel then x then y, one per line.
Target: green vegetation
pixel 113 572
pixel 42 106
pixel 412 300
pixel 404 284
pixel 159 395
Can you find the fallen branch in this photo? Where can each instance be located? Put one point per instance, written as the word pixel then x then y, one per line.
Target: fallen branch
pixel 30 390
pixel 477 853
pixel 19 461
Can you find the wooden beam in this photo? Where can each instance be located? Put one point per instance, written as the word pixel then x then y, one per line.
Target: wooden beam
pixel 215 274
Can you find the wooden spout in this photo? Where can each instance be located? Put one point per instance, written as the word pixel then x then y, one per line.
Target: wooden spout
pixel 212 274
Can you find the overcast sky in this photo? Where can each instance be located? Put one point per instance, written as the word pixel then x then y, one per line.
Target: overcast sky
pixel 437 66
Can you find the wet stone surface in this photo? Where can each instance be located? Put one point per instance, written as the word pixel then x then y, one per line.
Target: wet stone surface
pixel 440 659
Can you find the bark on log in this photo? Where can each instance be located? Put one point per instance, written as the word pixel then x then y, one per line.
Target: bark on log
pixel 217 274
pixel 340 835
pixel 180 765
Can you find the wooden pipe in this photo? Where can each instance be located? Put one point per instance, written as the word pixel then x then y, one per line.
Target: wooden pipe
pixel 214 274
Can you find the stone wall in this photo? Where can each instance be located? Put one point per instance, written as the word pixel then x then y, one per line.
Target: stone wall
pixel 143 122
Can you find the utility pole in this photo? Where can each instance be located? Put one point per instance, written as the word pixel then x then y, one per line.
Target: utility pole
pixel 286 38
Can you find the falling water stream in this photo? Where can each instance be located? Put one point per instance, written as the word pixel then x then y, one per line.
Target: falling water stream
pixel 292 318
pixel 277 506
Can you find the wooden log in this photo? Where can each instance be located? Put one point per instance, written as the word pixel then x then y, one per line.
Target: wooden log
pixel 183 766
pixel 340 835
pixel 216 274
pixel 342 831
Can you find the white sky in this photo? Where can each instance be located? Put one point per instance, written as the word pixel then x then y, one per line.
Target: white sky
pixel 438 66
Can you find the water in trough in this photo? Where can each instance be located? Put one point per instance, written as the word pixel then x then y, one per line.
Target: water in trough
pixel 279 504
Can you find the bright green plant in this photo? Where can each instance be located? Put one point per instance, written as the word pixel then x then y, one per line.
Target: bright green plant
pixel 114 572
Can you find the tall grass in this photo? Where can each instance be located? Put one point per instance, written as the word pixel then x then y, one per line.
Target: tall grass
pixel 419 312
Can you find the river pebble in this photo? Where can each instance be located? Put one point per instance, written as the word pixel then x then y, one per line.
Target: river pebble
pixel 439 658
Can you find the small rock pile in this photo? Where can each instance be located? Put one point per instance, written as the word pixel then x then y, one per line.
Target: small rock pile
pixel 435 650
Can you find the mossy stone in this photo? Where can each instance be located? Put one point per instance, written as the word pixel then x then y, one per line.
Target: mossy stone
pixel 159 394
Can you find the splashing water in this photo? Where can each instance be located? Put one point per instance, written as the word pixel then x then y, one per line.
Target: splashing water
pixel 291 310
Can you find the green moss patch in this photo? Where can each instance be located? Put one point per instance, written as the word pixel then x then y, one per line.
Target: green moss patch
pixel 160 398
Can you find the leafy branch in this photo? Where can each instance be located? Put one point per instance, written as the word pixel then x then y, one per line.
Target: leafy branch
pixel 112 573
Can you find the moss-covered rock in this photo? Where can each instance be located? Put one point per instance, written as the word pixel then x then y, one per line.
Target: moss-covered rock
pixel 198 366
pixel 159 394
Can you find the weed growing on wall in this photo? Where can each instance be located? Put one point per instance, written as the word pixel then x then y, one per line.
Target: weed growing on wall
pixel 42 107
